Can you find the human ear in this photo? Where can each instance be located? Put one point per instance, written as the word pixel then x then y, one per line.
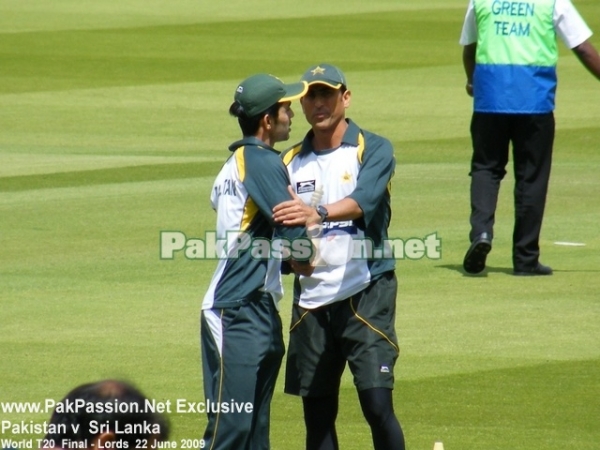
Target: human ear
pixel 346 97
pixel 266 122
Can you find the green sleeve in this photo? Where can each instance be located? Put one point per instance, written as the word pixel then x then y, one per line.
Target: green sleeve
pixel 267 182
pixel 375 173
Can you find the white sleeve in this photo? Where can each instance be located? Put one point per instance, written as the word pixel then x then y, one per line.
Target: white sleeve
pixel 469 30
pixel 569 25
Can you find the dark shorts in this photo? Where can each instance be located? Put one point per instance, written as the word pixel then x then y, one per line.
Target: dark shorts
pixel 359 329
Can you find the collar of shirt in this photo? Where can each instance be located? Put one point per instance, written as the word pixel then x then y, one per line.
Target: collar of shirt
pixel 251 140
pixel 350 137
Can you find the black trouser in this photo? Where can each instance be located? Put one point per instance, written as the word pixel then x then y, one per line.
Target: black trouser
pixel 532 137
pixel 377 405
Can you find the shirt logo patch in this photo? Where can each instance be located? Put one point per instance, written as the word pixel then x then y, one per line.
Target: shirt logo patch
pixel 343 227
pixel 305 186
pixel 384 369
pixel 346 177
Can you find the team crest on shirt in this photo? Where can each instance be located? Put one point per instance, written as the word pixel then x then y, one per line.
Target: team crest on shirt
pixel 305 186
pixel 346 177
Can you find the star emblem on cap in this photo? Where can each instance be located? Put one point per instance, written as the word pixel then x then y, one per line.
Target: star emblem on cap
pixel 318 70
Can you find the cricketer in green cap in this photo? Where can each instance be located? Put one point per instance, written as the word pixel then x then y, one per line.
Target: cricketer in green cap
pixel 259 92
pixel 325 74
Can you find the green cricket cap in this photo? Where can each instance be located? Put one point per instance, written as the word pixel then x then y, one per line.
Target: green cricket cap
pixel 259 92
pixel 325 74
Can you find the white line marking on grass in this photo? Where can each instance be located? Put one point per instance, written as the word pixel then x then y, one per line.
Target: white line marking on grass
pixel 571 244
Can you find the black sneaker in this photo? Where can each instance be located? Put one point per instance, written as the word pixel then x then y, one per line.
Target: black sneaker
pixel 474 261
pixel 540 269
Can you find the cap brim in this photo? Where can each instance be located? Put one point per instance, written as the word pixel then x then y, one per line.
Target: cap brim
pixel 326 83
pixel 294 91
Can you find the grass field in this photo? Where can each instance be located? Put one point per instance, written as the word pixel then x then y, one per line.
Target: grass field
pixel 113 124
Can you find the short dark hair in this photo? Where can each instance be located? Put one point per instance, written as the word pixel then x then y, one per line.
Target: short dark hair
pixel 107 402
pixel 249 125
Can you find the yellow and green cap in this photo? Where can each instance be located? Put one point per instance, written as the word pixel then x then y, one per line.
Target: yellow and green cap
pixel 259 92
pixel 325 74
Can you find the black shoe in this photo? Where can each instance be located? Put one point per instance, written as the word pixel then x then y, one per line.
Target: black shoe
pixel 474 261
pixel 540 269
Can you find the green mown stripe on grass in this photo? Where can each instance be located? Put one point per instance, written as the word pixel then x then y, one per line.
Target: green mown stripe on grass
pixel 60 60
pixel 107 176
pixel 521 403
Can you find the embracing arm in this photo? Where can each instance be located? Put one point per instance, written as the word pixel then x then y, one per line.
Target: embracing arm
pixel 344 209
pixel 296 212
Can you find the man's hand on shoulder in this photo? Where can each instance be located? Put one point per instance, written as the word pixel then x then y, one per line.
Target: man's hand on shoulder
pixel 294 212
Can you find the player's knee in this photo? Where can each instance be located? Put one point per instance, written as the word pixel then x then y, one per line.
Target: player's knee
pixel 377 418
pixel 377 406
pixel 320 411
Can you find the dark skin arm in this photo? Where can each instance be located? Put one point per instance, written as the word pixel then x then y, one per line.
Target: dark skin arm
pixel 589 57
pixel 296 212
pixel 469 65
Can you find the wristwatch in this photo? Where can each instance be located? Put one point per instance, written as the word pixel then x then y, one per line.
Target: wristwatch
pixel 322 212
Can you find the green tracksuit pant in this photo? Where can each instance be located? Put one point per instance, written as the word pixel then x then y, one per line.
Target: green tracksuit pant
pixel 242 350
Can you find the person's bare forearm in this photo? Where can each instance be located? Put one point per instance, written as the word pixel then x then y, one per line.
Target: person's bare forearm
pixel 469 65
pixel 296 212
pixel 589 57
pixel 344 209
